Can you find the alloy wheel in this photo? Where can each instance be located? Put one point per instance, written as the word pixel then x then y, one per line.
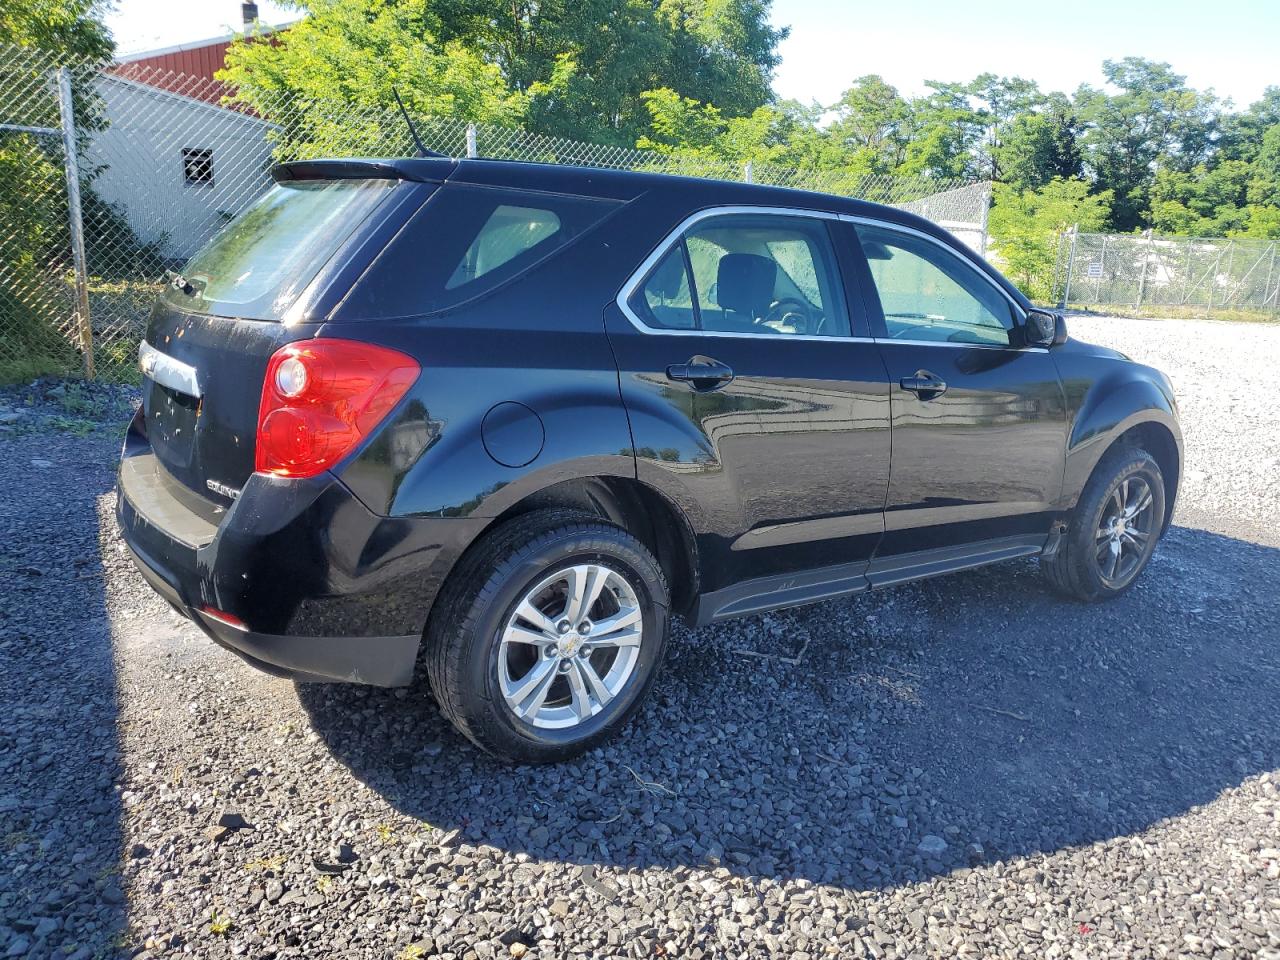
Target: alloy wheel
pixel 1126 531
pixel 570 646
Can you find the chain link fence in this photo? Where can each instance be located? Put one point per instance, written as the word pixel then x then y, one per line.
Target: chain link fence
pixel 1148 272
pixel 112 174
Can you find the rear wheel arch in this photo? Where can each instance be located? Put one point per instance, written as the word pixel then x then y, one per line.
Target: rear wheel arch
pixel 635 507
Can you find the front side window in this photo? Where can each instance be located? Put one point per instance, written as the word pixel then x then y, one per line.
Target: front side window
pixel 753 274
pixel 929 294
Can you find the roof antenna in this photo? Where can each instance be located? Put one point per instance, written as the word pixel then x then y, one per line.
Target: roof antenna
pixel 422 150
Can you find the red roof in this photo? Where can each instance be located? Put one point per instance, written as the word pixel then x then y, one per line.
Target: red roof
pixel 181 70
pixel 186 69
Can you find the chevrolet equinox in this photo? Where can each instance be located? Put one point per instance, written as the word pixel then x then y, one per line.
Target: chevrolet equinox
pixel 505 419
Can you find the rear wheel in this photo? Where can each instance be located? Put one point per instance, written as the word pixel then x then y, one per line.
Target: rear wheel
pixel 1114 529
pixel 549 635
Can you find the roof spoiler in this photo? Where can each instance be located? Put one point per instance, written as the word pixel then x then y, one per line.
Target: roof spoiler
pixel 425 170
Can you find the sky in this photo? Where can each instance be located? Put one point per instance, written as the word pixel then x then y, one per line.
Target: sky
pixel 1232 46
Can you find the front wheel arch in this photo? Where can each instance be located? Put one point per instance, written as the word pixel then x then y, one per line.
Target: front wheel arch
pixel 1156 439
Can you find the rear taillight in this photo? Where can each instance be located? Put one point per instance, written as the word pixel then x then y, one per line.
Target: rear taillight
pixel 321 397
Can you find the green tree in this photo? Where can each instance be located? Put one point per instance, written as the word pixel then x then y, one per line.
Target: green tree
pixel 722 52
pixel 706 141
pixel 943 133
pixel 1241 134
pixel 1001 100
pixel 1264 183
pixel 1155 122
pixel 872 126
pixel 70 27
pixel 1205 201
pixel 1038 146
pixel 1025 227
pixel 566 67
pixel 34 242
pixel 350 54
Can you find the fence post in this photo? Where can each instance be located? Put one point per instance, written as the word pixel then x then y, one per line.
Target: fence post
pixel 1071 263
pixel 747 173
pixel 1231 263
pixel 1271 269
pixel 71 163
pixel 1102 262
pixel 1186 275
pixel 986 215
pixel 1142 277
pixel 1213 280
pixel 472 151
pixel 1057 265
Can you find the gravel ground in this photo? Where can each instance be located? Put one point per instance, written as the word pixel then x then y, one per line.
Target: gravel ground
pixel 963 767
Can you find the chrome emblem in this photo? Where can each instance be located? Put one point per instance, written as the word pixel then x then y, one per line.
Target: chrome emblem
pixel 223 489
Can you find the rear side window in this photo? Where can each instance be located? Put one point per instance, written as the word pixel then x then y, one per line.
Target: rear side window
pixel 748 274
pixel 509 232
pixel 468 240
pixel 260 262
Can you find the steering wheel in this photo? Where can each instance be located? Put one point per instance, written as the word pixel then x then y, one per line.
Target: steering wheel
pixel 790 311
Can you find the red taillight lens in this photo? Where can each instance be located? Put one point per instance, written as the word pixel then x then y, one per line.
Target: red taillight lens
pixel 321 397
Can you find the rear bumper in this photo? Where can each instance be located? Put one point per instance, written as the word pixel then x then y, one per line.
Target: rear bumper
pixel 310 583
pixel 378 661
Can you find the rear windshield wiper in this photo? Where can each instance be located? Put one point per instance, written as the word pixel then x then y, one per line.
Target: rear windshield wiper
pixel 180 283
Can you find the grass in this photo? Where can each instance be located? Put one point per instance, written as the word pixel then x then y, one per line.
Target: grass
pixel 219 924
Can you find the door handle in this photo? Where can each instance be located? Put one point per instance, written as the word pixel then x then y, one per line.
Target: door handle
pixel 702 372
pixel 924 385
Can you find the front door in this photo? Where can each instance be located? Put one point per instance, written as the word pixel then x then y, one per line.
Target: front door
pixel 757 402
pixel 979 421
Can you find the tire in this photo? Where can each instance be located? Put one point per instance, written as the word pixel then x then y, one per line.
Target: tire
pixel 484 665
pixel 1082 568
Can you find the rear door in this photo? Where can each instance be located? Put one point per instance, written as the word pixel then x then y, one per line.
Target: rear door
pixel 979 421
pixel 756 399
pixel 237 301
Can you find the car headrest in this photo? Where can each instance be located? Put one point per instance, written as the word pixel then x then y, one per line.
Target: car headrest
pixel 668 280
pixel 744 283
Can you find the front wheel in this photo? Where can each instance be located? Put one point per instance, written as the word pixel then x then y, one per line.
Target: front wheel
pixel 1113 530
pixel 548 636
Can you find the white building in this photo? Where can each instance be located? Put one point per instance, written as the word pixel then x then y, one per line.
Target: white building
pixel 176 167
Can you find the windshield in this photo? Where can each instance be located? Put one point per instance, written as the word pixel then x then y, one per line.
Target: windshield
pixel 260 262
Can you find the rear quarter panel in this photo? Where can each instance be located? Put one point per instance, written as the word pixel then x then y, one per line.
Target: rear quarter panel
pixel 538 342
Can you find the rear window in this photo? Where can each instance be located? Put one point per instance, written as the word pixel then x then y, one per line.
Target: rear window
pixel 469 240
pixel 260 262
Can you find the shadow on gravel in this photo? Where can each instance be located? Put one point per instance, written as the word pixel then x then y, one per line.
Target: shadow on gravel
pixel 977 711
pixel 60 814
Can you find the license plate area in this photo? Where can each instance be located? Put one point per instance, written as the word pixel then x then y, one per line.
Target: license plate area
pixel 172 418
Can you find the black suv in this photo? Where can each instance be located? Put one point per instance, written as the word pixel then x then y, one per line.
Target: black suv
pixel 517 415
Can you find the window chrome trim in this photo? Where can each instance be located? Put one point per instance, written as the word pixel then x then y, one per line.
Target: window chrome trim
pixel 168 372
pixel 673 236
pixel 959 345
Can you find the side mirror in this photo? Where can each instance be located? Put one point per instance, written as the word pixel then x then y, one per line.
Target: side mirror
pixel 1045 329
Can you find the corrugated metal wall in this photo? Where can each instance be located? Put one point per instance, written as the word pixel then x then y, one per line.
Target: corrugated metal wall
pixel 201 62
